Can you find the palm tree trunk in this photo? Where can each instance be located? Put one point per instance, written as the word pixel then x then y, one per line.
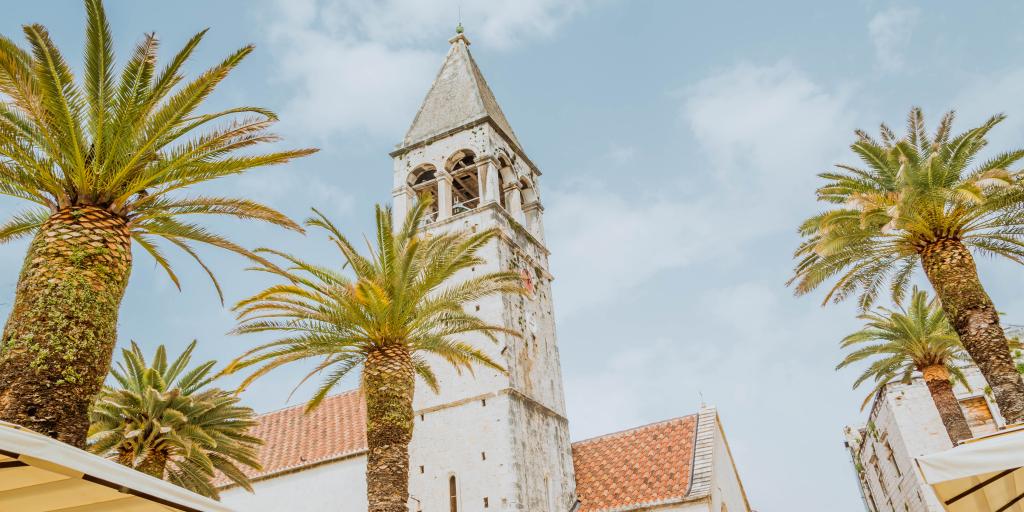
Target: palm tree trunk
pixel 61 332
pixel 154 465
pixel 951 271
pixel 937 379
pixel 388 383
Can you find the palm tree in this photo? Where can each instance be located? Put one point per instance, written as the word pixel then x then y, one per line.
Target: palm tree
pixel 917 338
pixel 402 304
pixel 921 199
pixel 165 420
pixel 105 162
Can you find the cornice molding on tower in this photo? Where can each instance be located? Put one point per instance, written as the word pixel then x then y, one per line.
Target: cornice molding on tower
pixel 406 148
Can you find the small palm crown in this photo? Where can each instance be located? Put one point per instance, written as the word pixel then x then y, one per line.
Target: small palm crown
pixel 167 417
pixel 127 145
pixel 903 341
pixel 910 194
pixel 401 298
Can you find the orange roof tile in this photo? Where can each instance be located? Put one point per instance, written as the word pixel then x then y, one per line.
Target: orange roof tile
pixel 641 467
pixel 293 439
pixel 627 470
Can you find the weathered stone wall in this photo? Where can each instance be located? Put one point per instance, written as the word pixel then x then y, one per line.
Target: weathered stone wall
pixel 727 493
pixel 338 486
pixel 467 440
pixel 545 477
pixel 903 419
pixel 504 436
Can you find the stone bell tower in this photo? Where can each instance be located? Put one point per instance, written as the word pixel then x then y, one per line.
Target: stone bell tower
pixel 488 440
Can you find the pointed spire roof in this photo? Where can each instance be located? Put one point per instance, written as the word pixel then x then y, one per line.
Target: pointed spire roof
pixel 458 97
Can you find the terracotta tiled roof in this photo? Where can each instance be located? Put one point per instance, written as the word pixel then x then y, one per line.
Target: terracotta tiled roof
pixel 624 471
pixel 636 468
pixel 293 439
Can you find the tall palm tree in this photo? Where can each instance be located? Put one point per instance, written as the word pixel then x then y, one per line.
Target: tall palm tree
pixel 165 420
pixel 106 163
pixel 402 304
pixel 916 338
pixel 922 199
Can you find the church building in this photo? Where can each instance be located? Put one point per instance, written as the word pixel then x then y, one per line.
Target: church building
pixel 490 440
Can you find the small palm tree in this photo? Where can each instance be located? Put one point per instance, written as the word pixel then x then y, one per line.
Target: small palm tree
pixel 917 338
pixel 106 163
pixel 165 420
pixel 402 304
pixel 920 199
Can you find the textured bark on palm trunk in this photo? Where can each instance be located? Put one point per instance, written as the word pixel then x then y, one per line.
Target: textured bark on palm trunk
pixel 155 465
pixel 937 379
pixel 951 270
pixel 388 382
pixel 60 335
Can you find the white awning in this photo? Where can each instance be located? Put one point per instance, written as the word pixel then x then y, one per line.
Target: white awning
pixel 981 475
pixel 40 474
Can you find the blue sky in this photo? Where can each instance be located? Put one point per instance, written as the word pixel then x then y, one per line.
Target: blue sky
pixel 679 143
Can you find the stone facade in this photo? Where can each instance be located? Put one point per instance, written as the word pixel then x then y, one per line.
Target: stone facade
pixel 903 424
pixel 514 450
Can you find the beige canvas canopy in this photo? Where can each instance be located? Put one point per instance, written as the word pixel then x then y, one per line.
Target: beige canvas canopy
pixel 40 474
pixel 981 475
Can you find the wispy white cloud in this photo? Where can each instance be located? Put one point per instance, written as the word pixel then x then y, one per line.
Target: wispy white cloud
pixel 763 132
pixel 605 242
pixel 891 31
pixel 281 189
pixel 748 349
pixel 364 66
pixel 412 22
pixel 991 94
pixel 749 328
pixel 740 340
pixel 621 154
pixel 765 128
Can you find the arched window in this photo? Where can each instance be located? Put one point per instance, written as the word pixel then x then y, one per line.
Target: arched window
pixel 421 175
pixel 528 191
pixel 463 167
pixel 461 159
pixel 453 495
pixel 423 181
pixel 505 176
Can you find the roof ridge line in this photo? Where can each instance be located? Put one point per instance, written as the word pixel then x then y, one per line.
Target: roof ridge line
pixel 634 429
pixel 478 78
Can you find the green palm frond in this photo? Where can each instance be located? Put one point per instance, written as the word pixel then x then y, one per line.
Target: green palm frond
pixel 125 140
pixel 903 341
pixel 402 292
pixel 165 410
pixel 23 224
pixel 910 192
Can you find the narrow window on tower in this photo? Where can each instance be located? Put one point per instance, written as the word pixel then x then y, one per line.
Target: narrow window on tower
pixel 486 504
pixel 483 455
pixel 453 496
